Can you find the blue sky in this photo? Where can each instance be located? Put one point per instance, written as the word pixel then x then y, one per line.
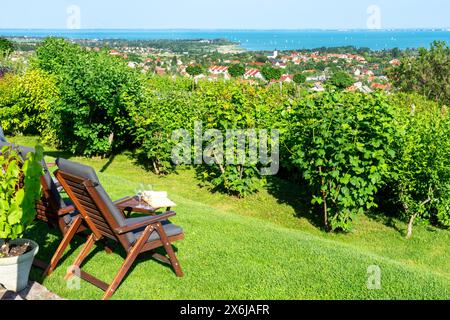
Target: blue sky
pixel 229 14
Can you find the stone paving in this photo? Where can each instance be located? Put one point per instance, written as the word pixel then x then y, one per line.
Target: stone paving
pixel 34 291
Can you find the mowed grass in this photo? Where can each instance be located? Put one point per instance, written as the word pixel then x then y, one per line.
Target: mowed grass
pixel 266 246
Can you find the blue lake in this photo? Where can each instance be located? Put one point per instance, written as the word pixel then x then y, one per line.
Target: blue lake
pixel 262 39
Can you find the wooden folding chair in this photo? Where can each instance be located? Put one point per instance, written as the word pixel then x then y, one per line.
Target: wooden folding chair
pixel 54 211
pixel 136 235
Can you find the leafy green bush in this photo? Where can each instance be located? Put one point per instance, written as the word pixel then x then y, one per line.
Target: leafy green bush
pixel 6 47
pixel 96 92
pixel 194 70
pixel 172 105
pixel 342 144
pixel 235 106
pixel 428 73
pixel 341 80
pixel 169 105
pixel 299 78
pixel 236 70
pixel 422 167
pixel 25 101
pixel 20 189
pixel 269 73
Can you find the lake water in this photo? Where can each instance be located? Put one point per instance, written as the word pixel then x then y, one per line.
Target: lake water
pixel 263 40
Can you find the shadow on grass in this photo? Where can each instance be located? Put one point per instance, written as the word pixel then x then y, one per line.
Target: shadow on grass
pixel 107 164
pixel 298 196
pixel 59 154
pixel 49 238
pixel 295 194
pixel 387 211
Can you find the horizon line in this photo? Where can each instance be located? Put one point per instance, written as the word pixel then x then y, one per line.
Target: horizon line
pixel 230 29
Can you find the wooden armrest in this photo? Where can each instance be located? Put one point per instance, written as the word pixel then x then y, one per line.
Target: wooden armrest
pixel 145 223
pixel 66 210
pixel 120 201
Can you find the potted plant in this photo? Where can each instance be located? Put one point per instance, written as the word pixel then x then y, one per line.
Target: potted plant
pixel 20 188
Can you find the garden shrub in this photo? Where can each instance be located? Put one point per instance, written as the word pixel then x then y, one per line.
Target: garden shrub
pixel 25 101
pixel 422 167
pixel 96 92
pixel 342 144
pixel 169 106
pixel 341 80
pixel 426 73
pixel 236 106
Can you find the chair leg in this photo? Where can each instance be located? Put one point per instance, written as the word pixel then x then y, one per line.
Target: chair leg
pixel 132 255
pixel 168 246
pixel 63 245
pixel 82 255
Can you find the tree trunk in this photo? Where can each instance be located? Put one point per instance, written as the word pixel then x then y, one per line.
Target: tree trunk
pixel 155 167
pixel 410 226
pixel 325 210
pixel 325 206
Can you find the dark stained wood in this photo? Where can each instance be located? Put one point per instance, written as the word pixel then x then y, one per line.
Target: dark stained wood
pixel 75 225
pixel 48 210
pixel 150 220
pixel 101 222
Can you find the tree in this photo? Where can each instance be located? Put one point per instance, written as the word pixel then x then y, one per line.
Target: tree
pixel 174 61
pixel 134 57
pixel 236 70
pixel 97 92
pixel 344 161
pixel 194 70
pixel 299 78
pixel 396 53
pixel 341 80
pixel 428 73
pixel 422 165
pixel 271 73
pixel 6 47
pixel 261 58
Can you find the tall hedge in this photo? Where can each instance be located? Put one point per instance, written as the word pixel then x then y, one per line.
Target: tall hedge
pixel 168 106
pixel 96 92
pixel 241 111
pixel 342 144
pixel 421 179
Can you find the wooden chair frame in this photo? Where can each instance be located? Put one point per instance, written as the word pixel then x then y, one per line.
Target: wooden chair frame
pixel 49 211
pixel 95 213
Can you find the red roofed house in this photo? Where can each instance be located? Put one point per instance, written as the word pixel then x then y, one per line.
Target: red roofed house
pixel 253 73
pixel 257 63
pixel 219 70
pixel 287 78
pixel 379 86
pixel 160 71
pixel 395 62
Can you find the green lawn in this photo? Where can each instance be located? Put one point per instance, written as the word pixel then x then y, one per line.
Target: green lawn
pixel 263 247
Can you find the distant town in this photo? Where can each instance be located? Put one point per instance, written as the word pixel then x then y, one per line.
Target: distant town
pixel 214 58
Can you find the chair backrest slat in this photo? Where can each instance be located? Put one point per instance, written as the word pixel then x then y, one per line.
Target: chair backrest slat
pixel 74 187
pixel 91 200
